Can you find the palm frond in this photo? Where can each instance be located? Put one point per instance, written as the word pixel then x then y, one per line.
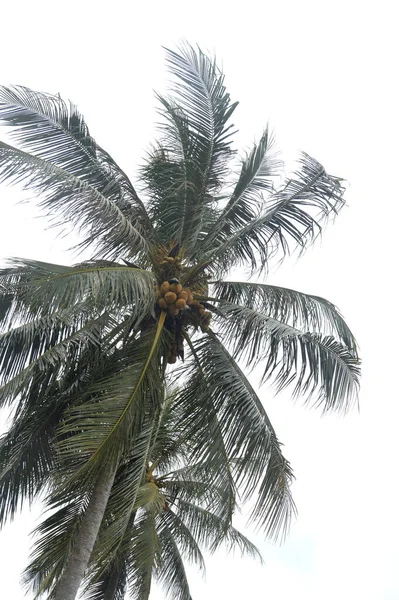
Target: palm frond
pixel 114 407
pixel 112 584
pixel 187 169
pixel 308 312
pixel 170 570
pixel 69 199
pixel 52 549
pixel 201 421
pixel 258 169
pixel 43 288
pixel 48 366
pixel 202 96
pixel 293 219
pixel 209 530
pixel 26 343
pixel 248 439
pixel 26 459
pixel 144 555
pixel 185 538
pixel 48 127
pixel 321 367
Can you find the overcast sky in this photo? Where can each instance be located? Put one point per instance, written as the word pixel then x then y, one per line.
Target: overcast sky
pixel 323 74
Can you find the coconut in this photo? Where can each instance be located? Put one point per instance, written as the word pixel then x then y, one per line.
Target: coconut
pixel 176 287
pixel 170 297
pixel 181 304
pixel 162 303
pixel 183 295
pixel 165 287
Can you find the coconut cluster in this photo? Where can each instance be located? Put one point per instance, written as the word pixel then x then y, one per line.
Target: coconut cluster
pixel 173 298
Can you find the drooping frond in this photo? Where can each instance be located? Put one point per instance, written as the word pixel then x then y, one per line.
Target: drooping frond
pixel 46 126
pixel 247 439
pixel 67 199
pixel 49 362
pixel 112 584
pixel 144 555
pixel 293 218
pixel 113 409
pixel 53 546
pixel 28 453
pixel 308 312
pixel 210 531
pixel 201 421
pixel 321 367
pixel 26 459
pixel 171 572
pixel 43 288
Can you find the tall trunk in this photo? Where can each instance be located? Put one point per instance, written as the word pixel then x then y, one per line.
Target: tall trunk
pixel 69 582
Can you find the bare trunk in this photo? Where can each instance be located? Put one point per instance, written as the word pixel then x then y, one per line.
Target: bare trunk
pixel 69 582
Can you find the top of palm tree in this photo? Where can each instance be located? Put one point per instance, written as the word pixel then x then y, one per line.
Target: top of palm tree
pixel 94 340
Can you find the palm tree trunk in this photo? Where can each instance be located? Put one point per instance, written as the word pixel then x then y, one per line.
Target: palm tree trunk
pixel 69 582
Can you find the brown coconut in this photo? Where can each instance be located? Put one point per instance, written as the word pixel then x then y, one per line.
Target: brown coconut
pixel 176 288
pixel 183 295
pixel 181 304
pixel 165 287
pixel 170 297
pixel 162 303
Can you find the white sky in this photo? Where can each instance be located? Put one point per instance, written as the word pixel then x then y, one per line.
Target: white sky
pixel 323 74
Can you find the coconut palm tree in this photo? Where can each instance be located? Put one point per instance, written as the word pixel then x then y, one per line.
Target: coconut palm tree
pixel 150 531
pixel 96 341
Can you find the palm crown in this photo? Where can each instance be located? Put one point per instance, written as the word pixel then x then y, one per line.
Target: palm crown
pixel 85 350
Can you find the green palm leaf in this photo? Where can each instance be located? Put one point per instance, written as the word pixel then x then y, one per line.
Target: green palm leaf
pixel 211 531
pixel 114 407
pixel 52 550
pixel 308 312
pixel 202 96
pixel 171 572
pixel 137 483
pixel 69 199
pixel 321 367
pixel 39 287
pixel 192 158
pixel 48 127
pixel 51 364
pixel 247 442
pixel 26 459
pixel 258 169
pixel 292 219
